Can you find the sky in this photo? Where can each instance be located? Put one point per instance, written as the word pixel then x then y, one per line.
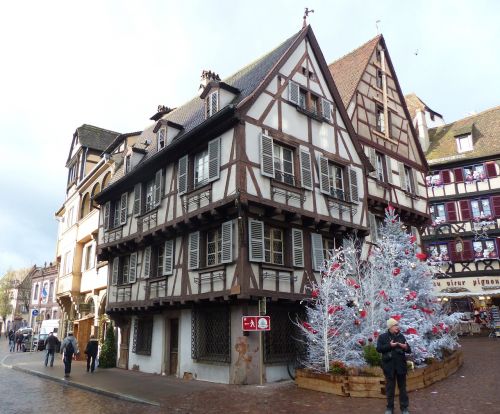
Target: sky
pixel 111 63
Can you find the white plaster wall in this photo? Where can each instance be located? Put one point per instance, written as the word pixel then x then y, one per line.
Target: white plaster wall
pixel 294 59
pixel 150 363
pixel 260 104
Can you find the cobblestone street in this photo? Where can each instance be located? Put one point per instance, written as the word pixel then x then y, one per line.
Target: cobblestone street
pixel 473 389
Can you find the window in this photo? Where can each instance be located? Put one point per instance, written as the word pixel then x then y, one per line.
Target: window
pixel 72 173
pixel 273 245
pixel 484 249
pixel 68 263
pixel 378 55
pixel 201 163
pixel 380 118
pixel 434 179
pixel 70 217
pixel 85 206
pixel 336 180
pixel 116 214
pixel 438 213
pixel 474 173
pixel 160 255
pixel 481 208
pixel 328 248
pixel 162 138
pixel 314 104
pixel 127 163
pixel 143 336
pixel 125 267
pixel 408 184
pixel 35 296
pixel 379 79
pixel 438 252
pixel 88 257
pixel 283 164
pixel 214 247
pixel 211 334
pixel 212 104
pixel 51 291
pixel 150 195
pixel 302 99
pixel 464 143
pixel 95 190
pixel 380 167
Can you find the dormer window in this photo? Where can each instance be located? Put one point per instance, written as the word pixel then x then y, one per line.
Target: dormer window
pixel 162 138
pixel 128 163
pixel 464 143
pixel 212 104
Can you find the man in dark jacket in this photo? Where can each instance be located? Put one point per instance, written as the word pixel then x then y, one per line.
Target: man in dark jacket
pixel 50 346
pixel 91 351
pixel 393 347
pixel 69 348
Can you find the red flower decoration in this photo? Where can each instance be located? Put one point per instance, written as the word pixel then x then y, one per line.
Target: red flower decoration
pixel 435 330
pixel 375 334
pixel 361 342
pixel 421 256
pixel 397 317
pixel 411 331
pixel 315 293
pixel 396 271
pixel 356 286
pixel 362 314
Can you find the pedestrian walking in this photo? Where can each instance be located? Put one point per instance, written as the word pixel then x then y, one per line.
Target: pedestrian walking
pixel 393 347
pixel 69 348
pixel 91 352
pixel 19 341
pixel 12 341
pixel 50 347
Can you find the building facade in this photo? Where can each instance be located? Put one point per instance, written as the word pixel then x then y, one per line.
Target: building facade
pixel 43 295
pixel 19 287
pixel 235 196
pixel 371 93
pixel 463 241
pixel 82 280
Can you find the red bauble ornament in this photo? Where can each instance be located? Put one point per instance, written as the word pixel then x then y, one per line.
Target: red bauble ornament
pixel 396 271
pixel 362 314
pixel 397 317
pixel 356 286
pixel 370 339
pixel 376 334
pixel 413 239
pixel 407 251
pixel 435 330
pixel 411 331
pixel 315 293
pixel 387 309
pixel 414 307
pixel 357 322
pixel 421 256
pixel 334 267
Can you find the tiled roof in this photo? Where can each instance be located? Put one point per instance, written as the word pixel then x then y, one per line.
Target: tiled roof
pixel 414 103
pixel 485 128
pixel 347 70
pixel 95 137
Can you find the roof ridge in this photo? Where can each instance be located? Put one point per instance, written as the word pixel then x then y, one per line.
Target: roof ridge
pixel 96 127
pixel 355 50
pixel 467 117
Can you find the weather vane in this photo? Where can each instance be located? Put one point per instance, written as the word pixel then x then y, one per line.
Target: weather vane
pixel 376 24
pixel 307 12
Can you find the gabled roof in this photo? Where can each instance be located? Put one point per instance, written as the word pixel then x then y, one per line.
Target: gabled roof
pixel 348 70
pixel 414 103
pixel 485 128
pixel 93 137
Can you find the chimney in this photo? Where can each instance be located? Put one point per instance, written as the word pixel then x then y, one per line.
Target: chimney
pixel 206 77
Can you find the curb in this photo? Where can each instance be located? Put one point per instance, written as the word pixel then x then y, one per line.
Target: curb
pixel 119 396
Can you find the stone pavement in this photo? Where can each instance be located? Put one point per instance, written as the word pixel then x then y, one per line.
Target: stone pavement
pixel 475 388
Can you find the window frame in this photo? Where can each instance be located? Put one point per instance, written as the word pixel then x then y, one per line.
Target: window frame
pixel 210 103
pixel 143 335
pixel 481 214
pixel 433 208
pixel 409 183
pixel 380 119
pixel 269 245
pixel 205 156
pixel 443 252
pixel 333 179
pixel 484 243
pixel 280 173
pixel 217 245
pixel 471 176
pixel 459 141
pixel 381 167
pixel 161 138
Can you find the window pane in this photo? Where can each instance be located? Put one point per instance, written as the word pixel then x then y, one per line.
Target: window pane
pixel 475 208
pixel 486 207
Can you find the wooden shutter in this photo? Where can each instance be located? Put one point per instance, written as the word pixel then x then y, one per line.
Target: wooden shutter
pixel 491 169
pixel 372 223
pixel 227 242
pixel 353 184
pixel 297 248
pixel 157 193
pixel 326 109
pixel 194 250
pixel 324 178
pixel 114 272
pixel 468 253
pixel 256 240
pixel 132 271
pixel 123 208
pixel 402 176
pixel 168 257
pixel 446 176
pixel 451 211
pixel 465 209
pixel 147 261
pixel 182 175
pixel 214 102
pixel 306 169
pixel 388 168
pixel 293 93
pixel 137 198
pixel 107 212
pixel 459 175
pixel 495 205
pixel 372 155
pixel 266 156
pixel 317 251
pixel 214 159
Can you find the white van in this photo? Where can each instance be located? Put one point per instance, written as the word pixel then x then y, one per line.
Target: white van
pixel 48 326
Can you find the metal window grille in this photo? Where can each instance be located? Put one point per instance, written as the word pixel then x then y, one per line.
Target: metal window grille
pixel 211 334
pixel 143 336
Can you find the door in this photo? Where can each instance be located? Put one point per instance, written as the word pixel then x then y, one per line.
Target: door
pixel 125 337
pixel 174 346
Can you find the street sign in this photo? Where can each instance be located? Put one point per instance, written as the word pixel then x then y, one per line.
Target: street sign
pixel 34 312
pixel 256 323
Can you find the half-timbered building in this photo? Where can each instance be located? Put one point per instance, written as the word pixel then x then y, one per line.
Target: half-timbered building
pixel 371 93
pixel 463 241
pixel 237 195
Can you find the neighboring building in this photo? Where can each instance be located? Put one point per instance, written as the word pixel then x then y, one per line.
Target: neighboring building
pixel 236 195
pixel 82 281
pixel 43 295
pixel 371 93
pixel 19 282
pixel 464 197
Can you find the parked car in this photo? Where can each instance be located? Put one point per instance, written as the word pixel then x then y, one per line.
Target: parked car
pixel 41 341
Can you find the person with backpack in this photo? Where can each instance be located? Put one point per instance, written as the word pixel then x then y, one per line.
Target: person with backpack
pixel 69 348
pixel 12 341
pixel 50 346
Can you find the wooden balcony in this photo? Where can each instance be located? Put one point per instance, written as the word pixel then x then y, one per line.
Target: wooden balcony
pixel 113 235
pixel 147 221
pixel 445 230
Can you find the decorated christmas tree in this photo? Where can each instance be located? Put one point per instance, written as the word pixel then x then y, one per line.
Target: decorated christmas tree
pixel 349 307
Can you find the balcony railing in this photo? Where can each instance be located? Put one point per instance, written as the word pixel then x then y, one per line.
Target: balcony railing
pixel 147 221
pixel 440 227
pixel 113 235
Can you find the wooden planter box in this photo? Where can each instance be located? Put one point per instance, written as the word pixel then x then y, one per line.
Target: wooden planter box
pixel 374 384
